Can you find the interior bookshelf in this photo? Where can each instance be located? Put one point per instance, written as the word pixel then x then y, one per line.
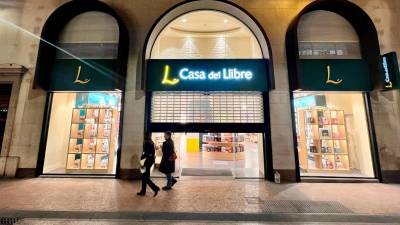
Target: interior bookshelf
pixel 90 140
pixel 223 146
pixel 322 139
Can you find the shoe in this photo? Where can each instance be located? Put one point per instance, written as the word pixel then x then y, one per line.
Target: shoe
pixel 166 188
pixel 156 192
pixel 141 193
pixel 174 182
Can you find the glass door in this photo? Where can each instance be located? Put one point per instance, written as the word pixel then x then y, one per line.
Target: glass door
pixel 238 155
pixel 249 159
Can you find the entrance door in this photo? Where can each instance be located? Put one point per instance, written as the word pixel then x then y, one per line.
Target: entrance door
pixel 196 87
pixel 5 93
pixel 238 155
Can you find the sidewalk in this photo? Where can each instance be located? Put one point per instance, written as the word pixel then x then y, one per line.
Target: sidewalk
pixel 198 196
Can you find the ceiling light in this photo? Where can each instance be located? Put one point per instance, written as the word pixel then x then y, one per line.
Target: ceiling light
pixel 225 20
pixel 184 20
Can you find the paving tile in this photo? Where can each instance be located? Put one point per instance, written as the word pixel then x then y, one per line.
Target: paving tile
pixel 190 195
pixel 139 222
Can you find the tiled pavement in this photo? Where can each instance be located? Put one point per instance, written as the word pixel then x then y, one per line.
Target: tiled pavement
pixel 138 222
pixel 193 196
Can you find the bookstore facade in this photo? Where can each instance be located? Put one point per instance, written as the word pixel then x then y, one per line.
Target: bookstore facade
pixel 248 93
pixel 207 77
pixel 207 82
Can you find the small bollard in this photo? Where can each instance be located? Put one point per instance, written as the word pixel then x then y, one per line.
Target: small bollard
pixel 277 177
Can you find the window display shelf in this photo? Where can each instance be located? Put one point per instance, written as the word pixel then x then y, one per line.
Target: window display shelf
pixel 338 139
pixel 89 143
pixel 322 142
pixel 223 143
pixel 223 146
pixel 91 123
pixel 312 153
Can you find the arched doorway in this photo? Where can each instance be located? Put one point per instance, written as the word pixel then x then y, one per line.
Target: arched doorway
pixel 333 59
pixel 84 75
pixel 221 122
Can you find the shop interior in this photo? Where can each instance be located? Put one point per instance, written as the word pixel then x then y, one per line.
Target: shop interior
pixel 238 155
pixel 332 134
pixel 83 133
pixel 206 34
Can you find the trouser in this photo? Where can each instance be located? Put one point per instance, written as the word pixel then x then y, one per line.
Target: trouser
pixel 170 179
pixel 147 181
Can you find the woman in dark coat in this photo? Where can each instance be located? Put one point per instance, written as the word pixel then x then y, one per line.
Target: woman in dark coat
pixel 167 165
pixel 149 156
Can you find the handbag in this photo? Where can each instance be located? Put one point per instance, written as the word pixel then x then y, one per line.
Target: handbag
pixel 173 157
pixel 142 162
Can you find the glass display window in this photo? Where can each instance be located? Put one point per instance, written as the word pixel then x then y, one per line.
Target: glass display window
pixel 83 133
pixel 332 134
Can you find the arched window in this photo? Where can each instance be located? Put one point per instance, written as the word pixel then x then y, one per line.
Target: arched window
pixel 187 37
pixel 85 79
pixel 206 34
pixel 330 72
pixel 324 34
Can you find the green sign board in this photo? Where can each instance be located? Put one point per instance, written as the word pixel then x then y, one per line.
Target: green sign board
pixel 207 75
pixel 391 71
pixel 84 75
pixel 334 75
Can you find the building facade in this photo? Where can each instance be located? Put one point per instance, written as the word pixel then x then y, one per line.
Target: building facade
pixel 250 89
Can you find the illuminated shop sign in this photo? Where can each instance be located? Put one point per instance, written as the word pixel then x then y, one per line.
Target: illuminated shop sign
pixel 84 75
pixel 391 71
pixel 334 75
pixel 207 75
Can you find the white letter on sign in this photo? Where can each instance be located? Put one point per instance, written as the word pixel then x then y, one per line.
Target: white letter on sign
pixel 182 75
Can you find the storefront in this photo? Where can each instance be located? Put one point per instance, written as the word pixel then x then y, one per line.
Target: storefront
pixel 207 82
pixel 82 127
pixel 206 71
pixel 330 85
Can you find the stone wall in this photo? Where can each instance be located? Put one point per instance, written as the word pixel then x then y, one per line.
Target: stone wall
pixel 139 15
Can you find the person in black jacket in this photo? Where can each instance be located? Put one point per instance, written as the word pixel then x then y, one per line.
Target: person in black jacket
pixel 149 156
pixel 167 165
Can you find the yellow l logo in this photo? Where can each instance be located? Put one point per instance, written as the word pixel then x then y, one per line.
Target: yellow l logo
pixel 78 74
pixel 329 81
pixel 166 79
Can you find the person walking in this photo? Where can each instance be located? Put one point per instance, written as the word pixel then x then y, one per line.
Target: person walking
pixel 149 157
pixel 167 165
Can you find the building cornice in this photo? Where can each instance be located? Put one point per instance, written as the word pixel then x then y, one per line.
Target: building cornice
pixel 12 69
